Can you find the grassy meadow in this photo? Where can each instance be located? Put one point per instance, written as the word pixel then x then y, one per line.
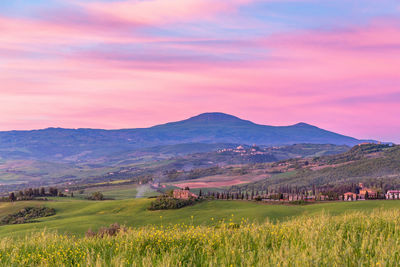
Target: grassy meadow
pixel 118 192
pixel 76 216
pixel 349 239
pixel 211 233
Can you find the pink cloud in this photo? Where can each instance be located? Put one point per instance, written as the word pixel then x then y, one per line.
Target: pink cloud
pixel 27 33
pixel 343 80
pixel 163 11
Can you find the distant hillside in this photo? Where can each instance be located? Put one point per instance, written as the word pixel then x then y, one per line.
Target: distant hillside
pixel 74 145
pixel 371 164
pixel 160 163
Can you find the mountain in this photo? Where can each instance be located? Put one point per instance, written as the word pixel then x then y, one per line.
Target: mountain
pixel 58 144
pixel 224 128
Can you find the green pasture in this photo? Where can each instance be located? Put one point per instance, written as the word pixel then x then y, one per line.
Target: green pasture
pixel 75 216
pixel 119 192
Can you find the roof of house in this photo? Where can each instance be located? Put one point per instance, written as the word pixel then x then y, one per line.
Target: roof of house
pixel 393 191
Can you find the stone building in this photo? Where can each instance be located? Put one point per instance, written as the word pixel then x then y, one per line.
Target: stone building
pixel 183 194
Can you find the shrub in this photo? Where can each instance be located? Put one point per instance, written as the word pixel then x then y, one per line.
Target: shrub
pixel 27 215
pixel 299 202
pixel 112 230
pixel 258 198
pixel 96 196
pixel 90 233
pixel 166 203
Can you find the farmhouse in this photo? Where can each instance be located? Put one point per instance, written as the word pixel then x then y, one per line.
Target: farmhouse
pixel 367 192
pixel 294 197
pixel 323 197
pixel 393 194
pixel 183 194
pixel 349 196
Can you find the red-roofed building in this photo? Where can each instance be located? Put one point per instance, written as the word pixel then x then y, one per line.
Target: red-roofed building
pixel 393 194
pixel 350 196
pixel 183 194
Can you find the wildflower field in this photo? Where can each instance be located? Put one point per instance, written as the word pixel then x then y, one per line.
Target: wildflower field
pixel 351 239
pixel 75 217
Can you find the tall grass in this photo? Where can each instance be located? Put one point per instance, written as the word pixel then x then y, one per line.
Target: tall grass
pixel 355 239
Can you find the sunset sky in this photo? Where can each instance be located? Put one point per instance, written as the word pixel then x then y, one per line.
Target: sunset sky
pixel 127 64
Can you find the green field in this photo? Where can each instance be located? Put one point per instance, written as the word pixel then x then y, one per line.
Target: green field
pixel 75 216
pixel 354 239
pixel 119 192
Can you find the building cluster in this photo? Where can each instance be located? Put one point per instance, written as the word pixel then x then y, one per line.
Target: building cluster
pixel 392 194
pixel 254 150
pixel 364 193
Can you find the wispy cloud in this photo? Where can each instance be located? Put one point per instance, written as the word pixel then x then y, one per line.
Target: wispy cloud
pixel 163 11
pixel 138 63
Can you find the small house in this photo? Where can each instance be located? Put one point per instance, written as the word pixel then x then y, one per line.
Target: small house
pixel 323 197
pixel 367 192
pixel 183 194
pixel 350 196
pixel 393 194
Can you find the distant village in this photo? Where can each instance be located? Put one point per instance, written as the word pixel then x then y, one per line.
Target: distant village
pixel 253 150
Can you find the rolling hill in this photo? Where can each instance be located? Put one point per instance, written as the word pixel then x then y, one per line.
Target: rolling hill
pixel 372 164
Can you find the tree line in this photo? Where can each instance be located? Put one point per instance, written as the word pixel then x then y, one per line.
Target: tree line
pixel 32 193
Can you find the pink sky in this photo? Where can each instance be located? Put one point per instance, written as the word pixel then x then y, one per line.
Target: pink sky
pixel 134 64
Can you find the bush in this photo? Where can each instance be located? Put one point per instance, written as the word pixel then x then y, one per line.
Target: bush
pixel 90 233
pixel 26 215
pixel 112 230
pixel 166 203
pixel 96 196
pixel 298 202
pixel 258 198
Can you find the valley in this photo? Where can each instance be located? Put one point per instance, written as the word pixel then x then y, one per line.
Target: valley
pixel 163 163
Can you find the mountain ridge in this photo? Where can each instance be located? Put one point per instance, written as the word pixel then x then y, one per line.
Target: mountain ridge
pixel 212 127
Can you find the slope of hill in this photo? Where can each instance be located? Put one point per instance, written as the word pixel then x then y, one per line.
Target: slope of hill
pixel 74 145
pixel 375 165
pixel 159 163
